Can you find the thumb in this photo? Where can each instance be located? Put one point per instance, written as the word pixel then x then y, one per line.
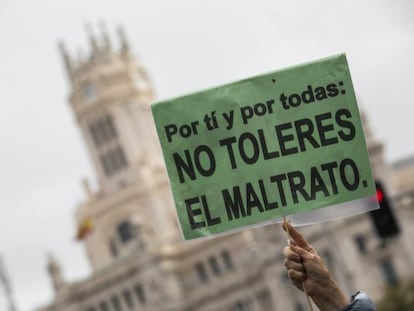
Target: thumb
pixel 297 236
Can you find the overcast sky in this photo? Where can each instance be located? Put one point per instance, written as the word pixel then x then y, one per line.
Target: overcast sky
pixel 185 45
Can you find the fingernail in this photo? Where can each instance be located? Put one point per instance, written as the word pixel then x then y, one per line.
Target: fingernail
pixel 292 242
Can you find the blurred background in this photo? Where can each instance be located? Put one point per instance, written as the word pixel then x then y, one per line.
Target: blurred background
pixel 75 230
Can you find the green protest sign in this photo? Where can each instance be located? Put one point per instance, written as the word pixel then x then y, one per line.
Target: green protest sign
pixel 251 151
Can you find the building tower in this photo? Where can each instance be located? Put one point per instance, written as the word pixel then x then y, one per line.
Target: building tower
pixel 110 96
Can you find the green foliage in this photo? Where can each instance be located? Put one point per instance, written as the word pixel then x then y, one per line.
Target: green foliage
pixel 399 298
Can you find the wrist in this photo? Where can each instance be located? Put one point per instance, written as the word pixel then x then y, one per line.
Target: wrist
pixel 329 297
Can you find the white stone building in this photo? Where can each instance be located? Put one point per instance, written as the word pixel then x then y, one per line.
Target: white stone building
pixel 130 232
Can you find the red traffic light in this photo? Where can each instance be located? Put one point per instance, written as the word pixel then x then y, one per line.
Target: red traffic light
pixel 380 195
pixel 386 224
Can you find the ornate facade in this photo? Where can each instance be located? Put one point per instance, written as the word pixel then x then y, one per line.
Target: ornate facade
pixel 130 232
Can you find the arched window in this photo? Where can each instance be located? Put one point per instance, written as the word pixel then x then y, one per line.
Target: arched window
pixel 126 231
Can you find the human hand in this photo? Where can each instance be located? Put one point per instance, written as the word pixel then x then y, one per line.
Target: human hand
pixel 306 268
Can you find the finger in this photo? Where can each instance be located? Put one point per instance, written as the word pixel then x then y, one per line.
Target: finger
pixel 293 265
pixel 291 255
pixel 304 254
pixel 296 276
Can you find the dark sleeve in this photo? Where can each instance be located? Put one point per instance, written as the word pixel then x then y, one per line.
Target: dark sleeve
pixel 360 302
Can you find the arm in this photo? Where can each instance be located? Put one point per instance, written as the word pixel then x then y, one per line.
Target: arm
pixel 304 265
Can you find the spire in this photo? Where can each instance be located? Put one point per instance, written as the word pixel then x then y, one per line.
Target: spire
pixel 106 41
pixel 92 39
pixel 55 273
pixel 6 284
pixel 369 136
pixel 87 187
pixel 66 59
pixel 124 42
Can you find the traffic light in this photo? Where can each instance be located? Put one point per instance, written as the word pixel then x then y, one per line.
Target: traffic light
pixel 384 220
